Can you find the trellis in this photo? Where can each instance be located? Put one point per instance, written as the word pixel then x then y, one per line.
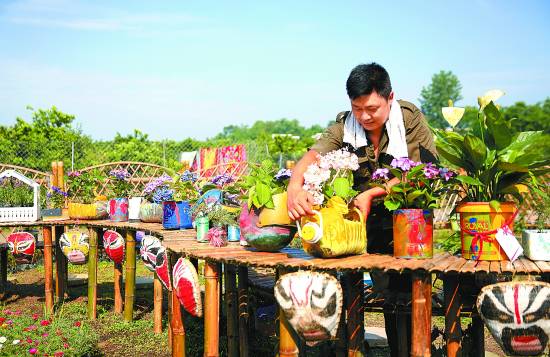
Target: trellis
pixel 42 178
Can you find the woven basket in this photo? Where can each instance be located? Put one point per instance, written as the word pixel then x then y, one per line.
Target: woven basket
pixel 334 231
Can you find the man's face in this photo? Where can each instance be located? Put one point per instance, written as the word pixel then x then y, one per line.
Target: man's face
pixel 372 110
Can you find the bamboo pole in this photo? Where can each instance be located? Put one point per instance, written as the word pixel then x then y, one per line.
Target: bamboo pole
pixel 48 268
pixel 288 346
pixel 211 309
pixel 243 310
pixel 169 324
pixel 60 258
pixel 421 314
pixel 92 274
pixel 3 270
pixel 60 175
pixel 176 320
pixel 478 337
pixel 130 282
pixel 157 309
pixel 118 288
pixel 54 174
pixel 354 296
pixel 453 307
pixel 231 310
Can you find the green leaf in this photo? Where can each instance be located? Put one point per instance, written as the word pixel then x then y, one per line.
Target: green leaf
pixel 341 186
pixel 413 195
pixel 396 188
pixel 392 205
pixel 476 151
pixel 263 193
pixel 494 204
pixel 452 158
pixel 497 127
pixel 468 180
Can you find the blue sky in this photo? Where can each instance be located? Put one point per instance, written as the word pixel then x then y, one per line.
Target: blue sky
pixel 177 69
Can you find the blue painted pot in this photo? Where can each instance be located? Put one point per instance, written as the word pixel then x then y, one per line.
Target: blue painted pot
pixel 118 209
pixel 233 233
pixel 176 215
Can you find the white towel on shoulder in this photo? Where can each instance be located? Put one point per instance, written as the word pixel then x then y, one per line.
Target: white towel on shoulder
pixel 354 133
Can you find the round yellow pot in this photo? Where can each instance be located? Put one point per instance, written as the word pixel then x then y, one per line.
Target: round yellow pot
pixel 278 215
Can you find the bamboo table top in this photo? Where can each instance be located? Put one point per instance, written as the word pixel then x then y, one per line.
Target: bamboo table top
pixel 183 241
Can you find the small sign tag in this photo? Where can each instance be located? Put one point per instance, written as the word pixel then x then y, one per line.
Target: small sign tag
pixel 509 243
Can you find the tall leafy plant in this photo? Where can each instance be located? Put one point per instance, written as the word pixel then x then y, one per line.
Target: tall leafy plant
pixel 497 159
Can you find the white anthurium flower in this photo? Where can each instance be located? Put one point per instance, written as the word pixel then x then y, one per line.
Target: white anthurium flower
pixel 489 96
pixel 452 114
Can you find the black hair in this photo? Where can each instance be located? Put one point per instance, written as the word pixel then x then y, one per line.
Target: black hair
pixel 367 78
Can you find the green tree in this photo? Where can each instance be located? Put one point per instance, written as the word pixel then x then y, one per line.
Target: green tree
pixel 444 86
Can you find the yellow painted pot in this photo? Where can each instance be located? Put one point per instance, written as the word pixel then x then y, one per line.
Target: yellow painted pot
pixel 277 215
pixel 479 217
pixel 96 210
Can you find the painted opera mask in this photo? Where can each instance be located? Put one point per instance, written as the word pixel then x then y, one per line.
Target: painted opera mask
pixel 22 245
pixel 114 246
pixel 155 258
pixel 74 244
pixel 186 284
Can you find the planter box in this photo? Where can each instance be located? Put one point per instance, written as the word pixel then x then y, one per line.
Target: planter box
pixel 536 244
pixel 55 214
pixel 88 211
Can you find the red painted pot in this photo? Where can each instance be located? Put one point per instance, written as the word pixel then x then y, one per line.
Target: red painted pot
pixel 413 233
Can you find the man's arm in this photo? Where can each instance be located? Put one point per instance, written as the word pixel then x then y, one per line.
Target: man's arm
pixel 363 201
pixel 299 201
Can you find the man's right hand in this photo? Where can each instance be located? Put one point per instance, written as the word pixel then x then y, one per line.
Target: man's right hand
pixel 299 202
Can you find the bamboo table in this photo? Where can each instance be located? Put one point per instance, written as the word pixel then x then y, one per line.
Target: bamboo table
pixel 237 259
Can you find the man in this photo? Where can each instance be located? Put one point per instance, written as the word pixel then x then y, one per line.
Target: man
pixel 377 129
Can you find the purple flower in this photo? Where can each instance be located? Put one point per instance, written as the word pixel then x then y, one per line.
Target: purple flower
pixel 446 174
pixel 74 174
pixel 156 183
pixel 120 174
pixel 222 180
pixel 188 176
pixel 430 171
pixel 283 174
pixel 381 174
pixel 403 163
pixel 162 194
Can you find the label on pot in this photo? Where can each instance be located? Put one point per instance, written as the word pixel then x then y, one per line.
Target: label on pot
pixel 508 243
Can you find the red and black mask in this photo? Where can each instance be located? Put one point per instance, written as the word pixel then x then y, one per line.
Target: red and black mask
pixel 186 285
pixel 518 315
pixel 153 255
pixel 114 246
pixel 22 245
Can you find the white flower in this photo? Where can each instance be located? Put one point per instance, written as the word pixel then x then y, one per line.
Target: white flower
pixel 489 96
pixel 452 115
pixel 3 339
pixel 16 342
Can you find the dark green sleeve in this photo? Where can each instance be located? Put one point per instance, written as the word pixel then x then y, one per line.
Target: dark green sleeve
pixel 332 139
pixel 420 139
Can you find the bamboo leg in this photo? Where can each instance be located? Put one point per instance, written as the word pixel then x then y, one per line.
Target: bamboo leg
pixel 3 271
pixel 453 307
pixel 211 309
pixel 354 293
pixel 169 324
pixel 232 311
pixel 341 343
pixel 48 268
pixel 157 310
pixel 59 276
pixel 178 330
pixel 421 314
pixel 288 345
pixel 478 337
pixel 92 274
pixel 118 288
pixel 243 310
pixel 130 282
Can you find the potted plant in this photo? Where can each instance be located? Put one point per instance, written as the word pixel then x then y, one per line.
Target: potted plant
pixel 265 197
pixel 219 219
pixel 497 162
pixel 412 201
pixel 55 202
pixel 120 188
pixel 181 193
pixel 155 193
pixel 334 230
pixel 83 200
pixel 536 242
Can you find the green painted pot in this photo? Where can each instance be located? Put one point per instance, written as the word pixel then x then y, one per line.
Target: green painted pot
pixel 268 238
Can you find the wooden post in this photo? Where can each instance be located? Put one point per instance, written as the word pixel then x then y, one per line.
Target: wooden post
pixel 211 309
pixel 60 175
pixel 478 337
pixel 176 320
pixel 341 343
pixel 157 309
pixel 130 282
pixel 54 174
pixel 92 274
pixel 48 268
pixel 60 266
pixel 231 310
pixel 243 310
pixel 288 345
pixel 3 270
pixel 421 314
pixel 453 307
pixel 354 297
pixel 118 288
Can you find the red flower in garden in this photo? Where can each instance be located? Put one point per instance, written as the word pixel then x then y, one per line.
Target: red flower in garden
pixel 65 345
pixel 35 316
pixel 44 322
pixel 58 354
pixel 29 340
pixel 33 351
pixel 77 324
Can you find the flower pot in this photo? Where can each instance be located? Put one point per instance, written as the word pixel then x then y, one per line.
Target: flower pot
pixel 266 239
pixel 233 233
pixel 202 224
pixel 150 212
pixel 134 205
pixel 477 220
pixel 277 215
pixel 118 209
pixel 413 233
pixel 55 214
pixel 176 215
pixel 536 244
pixel 88 211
